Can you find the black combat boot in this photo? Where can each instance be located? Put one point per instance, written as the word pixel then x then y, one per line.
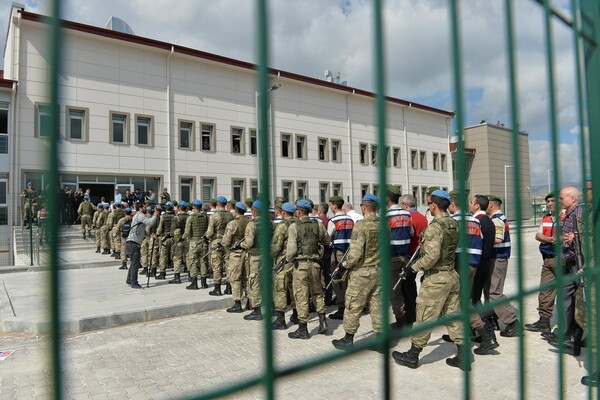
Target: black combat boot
pixel 145 271
pixel 248 305
pixel 323 327
pixel 255 315
pixel 227 288
pixel 572 345
pixel 591 380
pixel 279 323
pixel 193 285
pixel 161 275
pixel 343 343
pixel 216 291
pixel 118 255
pixel 511 329
pixel 152 273
pixel 541 325
pixel 457 361
pixel 98 249
pixel 399 324
pixel 106 251
pixel 409 359
pixel 136 285
pixel 300 333
pixel 294 317
pixel 236 308
pixel 203 284
pixel 339 314
pixel 488 340
pixel 123 265
pixel 176 278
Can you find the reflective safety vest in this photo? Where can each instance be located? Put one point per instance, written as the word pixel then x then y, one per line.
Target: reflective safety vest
pixel 474 246
pixel 548 229
pixel 399 222
pixel 503 249
pixel 343 232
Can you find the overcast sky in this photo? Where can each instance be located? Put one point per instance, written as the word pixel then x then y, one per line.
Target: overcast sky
pixel 309 36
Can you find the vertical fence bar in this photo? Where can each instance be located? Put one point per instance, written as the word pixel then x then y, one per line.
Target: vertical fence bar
pixel 264 228
pixel 465 297
pixel 514 112
pixel 52 219
pixel 384 234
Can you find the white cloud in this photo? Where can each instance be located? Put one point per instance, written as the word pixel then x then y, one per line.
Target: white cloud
pixel 569 163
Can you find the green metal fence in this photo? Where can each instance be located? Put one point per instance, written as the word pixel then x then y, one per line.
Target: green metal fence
pixel 585 27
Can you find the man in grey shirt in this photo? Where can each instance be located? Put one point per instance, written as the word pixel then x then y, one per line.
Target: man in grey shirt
pixel 140 221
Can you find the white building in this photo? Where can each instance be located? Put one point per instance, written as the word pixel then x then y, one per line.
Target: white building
pixel 140 113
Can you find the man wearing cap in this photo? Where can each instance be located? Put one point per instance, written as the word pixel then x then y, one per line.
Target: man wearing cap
pixel 85 211
pixel 399 222
pixel 115 237
pixel 440 289
pixel 248 202
pixel 306 239
pixel 339 229
pixel 546 235
pixel 195 227
pixel 165 197
pixel 133 242
pixel 100 222
pixel 506 312
pixel 123 235
pixel 282 280
pixel 232 238
pixel 428 214
pixel 180 246
pixel 363 276
pixel 107 228
pixel 251 245
pixel 216 228
pixel 29 198
pixel 165 241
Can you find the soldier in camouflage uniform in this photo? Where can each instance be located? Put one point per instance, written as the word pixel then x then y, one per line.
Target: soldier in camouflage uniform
pixel 306 240
pixel 105 230
pixel 85 211
pixel 180 245
pixel 29 196
pixel 115 236
pixel 122 236
pixel 234 235
pixel 216 228
pixel 99 222
pixel 363 281
pixel 440 289
pixel 154 248
pixel 250 244
pixel 283 278
pixel 165 241
pixel 195 228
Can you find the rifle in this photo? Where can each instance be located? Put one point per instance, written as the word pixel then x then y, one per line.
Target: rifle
pixel 337 268
pixel 410 262
pixel 150 261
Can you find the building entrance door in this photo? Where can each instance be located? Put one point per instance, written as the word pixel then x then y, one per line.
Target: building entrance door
pixel 99 190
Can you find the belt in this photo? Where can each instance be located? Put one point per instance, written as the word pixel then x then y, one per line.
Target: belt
pixel 436 271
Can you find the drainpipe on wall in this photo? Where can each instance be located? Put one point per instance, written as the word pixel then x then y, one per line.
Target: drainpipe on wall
pixel 170 168
pixel 350 147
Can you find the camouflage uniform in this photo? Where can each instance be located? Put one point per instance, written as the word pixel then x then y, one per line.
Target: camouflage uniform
pixel 119 228
pixel 105 231
pixel 27 196
pixel 282 281
pixel 250 244
pixel 236 274
pixel 115 235
pixel 306 239
pixel 363 281
pixel 216 228
pixel 195 227
pixel 165 240
pixel 85 211
pixel 100 221
pixel 440 289
pixel 180 245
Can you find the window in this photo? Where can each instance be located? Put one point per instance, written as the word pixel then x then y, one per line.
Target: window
pixel 238 191
pixel 436 161
pixel 423 159
pixel 287 189
pixel 185 188
pixel 396 157
pixel 3 204
pixel 237 140
pixel 374 154
pixel 375 189
pixel 424 195
pixel 42 120
pixel 388 160
pixel 323 151
pixel 76 125
pixel 286 144
pixel 207 137
pixel 323 192
pixel 253 142
pixel 186 135
pixel 300 147
pixel 3 128
pixel 208 189
pixel 414 162
pixel 444 163
pixel 302 190
pixel 336 148
pixel 253 189
pixel 364 189
pixel 337 189
pixel 415 193
pixel 119 128
pixel 363 154
pixel 400 186
pixel 143 131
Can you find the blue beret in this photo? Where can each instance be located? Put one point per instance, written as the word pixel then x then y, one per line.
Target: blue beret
pixel 289 207
pixel 29 183
pixel 304 204
pixel 148 208
pixel 441 193
pixel 86 196
pixel 183 204
pixel 240 205
pixel 169 204
pixel 222 199
pixel 106 205
pixel 128 210
pixel 197 203
pixel 257 204
pixel 371 197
